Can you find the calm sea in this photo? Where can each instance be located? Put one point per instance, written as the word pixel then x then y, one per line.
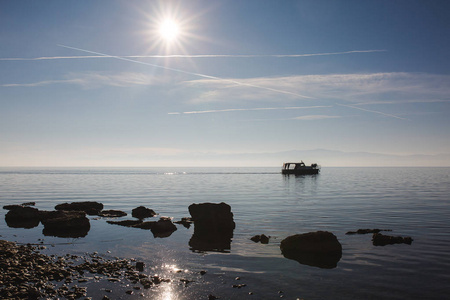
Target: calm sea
pixel 411 202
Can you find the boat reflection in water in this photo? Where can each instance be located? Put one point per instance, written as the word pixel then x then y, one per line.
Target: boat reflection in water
pixel 299 168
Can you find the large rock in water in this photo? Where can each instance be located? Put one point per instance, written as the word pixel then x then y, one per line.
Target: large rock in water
pixel 142 212
pixel 89 207
pixel 213 227
pixel 20 216
pixel 319 249
pixel 62 223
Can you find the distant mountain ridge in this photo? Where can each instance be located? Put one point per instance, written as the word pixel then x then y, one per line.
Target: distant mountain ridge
pixel 330 158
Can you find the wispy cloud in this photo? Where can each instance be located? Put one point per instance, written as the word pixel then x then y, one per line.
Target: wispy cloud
pixel 90 80
pixel 372 111
pixel 208 77
pixel 245 109
pixel 316 117
pixel 354 88
pixel 190 56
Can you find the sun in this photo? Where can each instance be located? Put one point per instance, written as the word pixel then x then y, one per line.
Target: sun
pixel 169 30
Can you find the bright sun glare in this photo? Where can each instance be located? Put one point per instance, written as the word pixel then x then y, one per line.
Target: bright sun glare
pixel 169 30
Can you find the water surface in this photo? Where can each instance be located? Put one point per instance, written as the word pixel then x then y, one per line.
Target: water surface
pixel 410 201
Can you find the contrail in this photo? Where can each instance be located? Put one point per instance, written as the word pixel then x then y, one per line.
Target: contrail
pixel 245 109
pixel 191 73
pixel 372 111
pixel 191 56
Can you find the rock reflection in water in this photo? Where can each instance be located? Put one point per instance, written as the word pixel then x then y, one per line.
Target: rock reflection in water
pixel 320 260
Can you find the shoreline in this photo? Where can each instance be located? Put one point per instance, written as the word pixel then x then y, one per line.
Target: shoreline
pixel 30 274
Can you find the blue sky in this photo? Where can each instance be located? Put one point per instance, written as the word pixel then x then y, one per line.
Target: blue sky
pixel 94 83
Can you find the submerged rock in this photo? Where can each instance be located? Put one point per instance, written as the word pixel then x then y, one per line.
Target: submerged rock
pixel 112 213
pixel 142 212
pixel 379 239
pixel 161 228
pixel 89 207
pixel 319 249
pixel 366 231
pixel 186 222
pixel 126 223
pixel 213 227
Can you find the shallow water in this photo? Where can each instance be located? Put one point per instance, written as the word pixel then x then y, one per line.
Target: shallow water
pixel 410 201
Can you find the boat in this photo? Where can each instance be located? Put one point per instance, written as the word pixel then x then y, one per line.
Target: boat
pixel 299 168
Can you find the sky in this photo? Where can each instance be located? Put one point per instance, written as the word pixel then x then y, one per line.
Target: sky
pixel 212 83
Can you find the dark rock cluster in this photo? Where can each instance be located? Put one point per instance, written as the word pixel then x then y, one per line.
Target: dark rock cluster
pixel 69 219
pixel 264 239
pixel 379 239
pixel 366 231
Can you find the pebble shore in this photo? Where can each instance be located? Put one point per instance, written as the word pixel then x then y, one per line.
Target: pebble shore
pixel 29 274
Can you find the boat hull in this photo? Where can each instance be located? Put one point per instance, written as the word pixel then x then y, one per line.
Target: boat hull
pixel 300 172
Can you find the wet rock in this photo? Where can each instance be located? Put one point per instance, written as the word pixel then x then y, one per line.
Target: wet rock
pixel 142 212
pixel 264 239
pixel 112 213
pixel 319 249
pixel 163 228
pixel 366 231
pixel 126 223
pixel 89 207
pixel 22 216
pixel 213 227
pixel 186 222
pixel 217 215
pixel 140 266
pixel 65 223
pixel 379 239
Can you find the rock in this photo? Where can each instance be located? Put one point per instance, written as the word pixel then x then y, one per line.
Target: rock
pixel 186 222
pixel 126 223
pixel 22 216
pixel 366 231
pixel 142 212
pixel 65 223
pixel 264 239
pixel 112 213
pixel 320 249
pixel 163 228
pixel 213 227
pixel 140 266
pixel 217 215
pixel 89 207
pixel 379 239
